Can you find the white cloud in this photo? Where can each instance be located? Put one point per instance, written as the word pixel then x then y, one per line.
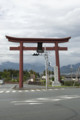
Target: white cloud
pixel 40 18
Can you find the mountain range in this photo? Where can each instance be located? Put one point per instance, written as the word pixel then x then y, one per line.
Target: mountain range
pixel 72 68
pixel 12 65
pixel 38 67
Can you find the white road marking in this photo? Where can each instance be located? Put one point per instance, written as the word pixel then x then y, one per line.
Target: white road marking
pixel 38 90
pixel 56 89
pixel 44 100
pixel 50 89
pixel 32 90
pixel 62 89
pixel 20 91
pixel 31 101
pixel 13 91
pixel 12 87
pixel 54 100
pixel 69 97
pixel 44 90
pixel 7 92
pixel 21 103
pixel 1 91
pixel 26 91
pixel 27 103
pixel 35 103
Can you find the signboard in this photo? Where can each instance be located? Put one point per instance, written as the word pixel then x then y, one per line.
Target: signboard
pixel 55 73
pixel 56 82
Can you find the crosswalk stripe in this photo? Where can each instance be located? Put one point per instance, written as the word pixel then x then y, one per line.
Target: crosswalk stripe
pixel 26 91
pixel 1 91
pixel 38 90
pixel 62 89
pixel 20 91
pixel 43 89
pixel 50 89
pixel 7 92
pixel 56 89
pixel 13 91
pixel 32 90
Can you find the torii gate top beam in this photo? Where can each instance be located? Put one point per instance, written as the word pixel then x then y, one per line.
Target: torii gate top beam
pixel 36 40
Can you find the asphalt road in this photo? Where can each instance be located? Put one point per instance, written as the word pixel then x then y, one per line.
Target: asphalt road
pixel 53 104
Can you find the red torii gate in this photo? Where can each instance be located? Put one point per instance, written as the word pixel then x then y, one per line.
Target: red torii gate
pixel 37 40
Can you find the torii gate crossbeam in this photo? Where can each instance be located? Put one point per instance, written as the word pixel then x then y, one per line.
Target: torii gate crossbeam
pixel 36 40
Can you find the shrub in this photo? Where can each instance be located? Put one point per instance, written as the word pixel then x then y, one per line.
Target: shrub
pixel 71 83
pixel 43 82
pixel 68 83
pixel 76 84
pixel 14 80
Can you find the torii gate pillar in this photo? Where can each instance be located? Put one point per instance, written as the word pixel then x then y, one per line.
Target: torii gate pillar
pixel 57 59
pixel 21 66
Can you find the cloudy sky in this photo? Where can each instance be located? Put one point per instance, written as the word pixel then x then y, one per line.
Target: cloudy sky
pixel 40 18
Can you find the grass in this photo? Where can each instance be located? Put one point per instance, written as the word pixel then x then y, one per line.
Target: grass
pixel 62 86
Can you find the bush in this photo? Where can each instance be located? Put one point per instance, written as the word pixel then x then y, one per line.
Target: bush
pixel 68 83
pixel 76 84
pixel 7 79
pixel 43 82
pixel 14 80
pixel 71 83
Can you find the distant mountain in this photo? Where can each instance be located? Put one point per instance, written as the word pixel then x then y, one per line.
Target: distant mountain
pixel 12 65
pixel 70 68
pixel 37 67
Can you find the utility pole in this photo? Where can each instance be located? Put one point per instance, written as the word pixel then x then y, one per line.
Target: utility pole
pixel 46 67
pixel 71 71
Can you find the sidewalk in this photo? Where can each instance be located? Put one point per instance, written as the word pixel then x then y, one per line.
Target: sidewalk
pixel 29 87
pixel 34 87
